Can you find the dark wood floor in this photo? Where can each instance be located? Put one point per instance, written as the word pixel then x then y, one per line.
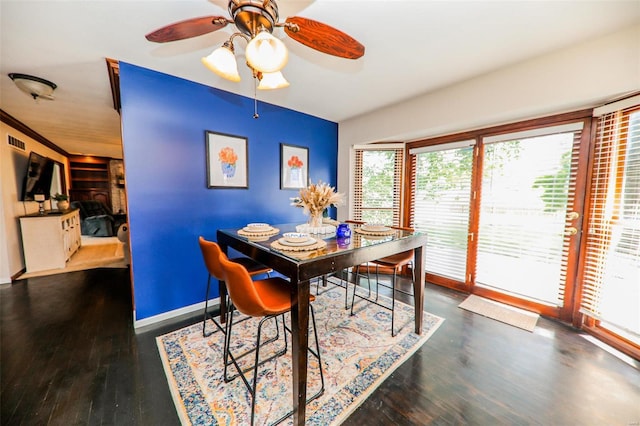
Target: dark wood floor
pixel 71 357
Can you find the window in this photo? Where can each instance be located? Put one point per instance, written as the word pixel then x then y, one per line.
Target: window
pixel 377 195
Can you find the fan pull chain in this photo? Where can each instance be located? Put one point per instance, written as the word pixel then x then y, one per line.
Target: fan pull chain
pixel 255 98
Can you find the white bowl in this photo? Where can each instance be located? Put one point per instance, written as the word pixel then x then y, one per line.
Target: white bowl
pixel 296 237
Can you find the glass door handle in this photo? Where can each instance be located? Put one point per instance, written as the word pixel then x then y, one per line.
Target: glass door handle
pixel 573 215
pixel 572 230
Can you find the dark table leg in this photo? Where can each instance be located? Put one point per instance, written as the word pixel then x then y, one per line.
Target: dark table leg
pixel 222 291
pixel 418 285
pixel 300 341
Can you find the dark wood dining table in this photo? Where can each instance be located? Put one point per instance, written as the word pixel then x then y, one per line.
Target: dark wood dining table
pixel 302 266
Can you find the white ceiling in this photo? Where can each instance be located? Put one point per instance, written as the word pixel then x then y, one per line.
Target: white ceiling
pixel 412 48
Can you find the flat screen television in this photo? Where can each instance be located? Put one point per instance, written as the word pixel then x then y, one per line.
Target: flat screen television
pixel 37 179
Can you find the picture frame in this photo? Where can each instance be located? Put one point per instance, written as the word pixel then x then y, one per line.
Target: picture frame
pixel 227 161
pixel 294 166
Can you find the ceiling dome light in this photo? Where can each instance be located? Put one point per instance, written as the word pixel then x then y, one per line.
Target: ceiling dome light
pixel 35 86
pixel 222 61
pixel 265 53
pixel 272 80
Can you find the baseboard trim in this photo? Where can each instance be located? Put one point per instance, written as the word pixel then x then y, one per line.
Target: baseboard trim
pixel 18 274
pixel 170 316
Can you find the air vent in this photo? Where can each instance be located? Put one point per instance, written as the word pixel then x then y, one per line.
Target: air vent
pixel 16 143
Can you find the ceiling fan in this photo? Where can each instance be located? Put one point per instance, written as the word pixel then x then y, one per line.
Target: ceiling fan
pixel 266 55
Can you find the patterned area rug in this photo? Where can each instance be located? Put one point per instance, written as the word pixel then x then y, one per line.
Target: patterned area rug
pixel 499 311
pixel 358 353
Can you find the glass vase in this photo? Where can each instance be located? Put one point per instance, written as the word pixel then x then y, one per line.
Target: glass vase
pixel 315 220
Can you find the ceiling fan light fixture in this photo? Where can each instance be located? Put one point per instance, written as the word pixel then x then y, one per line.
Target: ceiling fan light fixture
pixel 223 62
pixel 266 53
pixel 272 80
pixel 35 86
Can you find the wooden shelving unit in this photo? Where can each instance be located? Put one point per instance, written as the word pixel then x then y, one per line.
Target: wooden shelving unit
pixel 90 179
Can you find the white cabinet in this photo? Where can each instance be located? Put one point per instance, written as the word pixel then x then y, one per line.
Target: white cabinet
pixel 49 240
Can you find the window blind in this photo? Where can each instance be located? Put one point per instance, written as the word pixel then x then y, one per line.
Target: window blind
pixel 611 280
pixel 377 190
pixel 441 190
pixel 528 186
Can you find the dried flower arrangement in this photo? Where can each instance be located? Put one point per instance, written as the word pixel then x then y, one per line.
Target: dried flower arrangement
pixel 315 198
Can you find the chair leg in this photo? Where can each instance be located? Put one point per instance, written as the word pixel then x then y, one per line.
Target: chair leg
pixel 252 390
pixel 346 292
pixel 206 307
pixel 355 288
pixel 393 302
pixel 319 358
pixel 227 339
pixel 377 281
pixel 317 354
pixel 234 358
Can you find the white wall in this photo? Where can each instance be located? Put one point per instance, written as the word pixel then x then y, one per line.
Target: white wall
pixel 575 78
pixel 12 168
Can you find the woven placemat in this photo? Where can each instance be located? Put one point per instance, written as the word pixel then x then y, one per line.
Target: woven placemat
pixel 272 231
pixel 375 233
pixel 317 245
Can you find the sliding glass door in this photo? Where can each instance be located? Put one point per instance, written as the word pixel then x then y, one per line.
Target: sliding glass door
pixel 501 212
pixel 526 222
pixel 543 214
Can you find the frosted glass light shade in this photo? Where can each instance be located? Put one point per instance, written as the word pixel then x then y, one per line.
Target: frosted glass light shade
pixel 222 61
pixel 266 54
pixel 272 80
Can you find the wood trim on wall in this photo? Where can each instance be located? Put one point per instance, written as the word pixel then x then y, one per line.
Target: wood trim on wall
pixel 504 128
pixel 113 68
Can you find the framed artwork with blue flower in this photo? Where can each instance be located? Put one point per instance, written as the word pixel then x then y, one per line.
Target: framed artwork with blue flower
pixel 226 161
pixel 294 166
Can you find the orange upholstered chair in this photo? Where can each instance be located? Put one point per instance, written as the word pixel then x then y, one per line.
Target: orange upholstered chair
pixel 266 299
pixel 211 253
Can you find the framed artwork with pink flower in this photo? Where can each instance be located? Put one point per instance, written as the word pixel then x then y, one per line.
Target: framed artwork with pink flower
pixel 294 166
pixel 226 161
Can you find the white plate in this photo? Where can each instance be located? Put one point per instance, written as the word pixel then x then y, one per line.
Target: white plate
pixel 258 225
pixel 257 229
pixel 310 241
pixel 375 228
pixel 295 237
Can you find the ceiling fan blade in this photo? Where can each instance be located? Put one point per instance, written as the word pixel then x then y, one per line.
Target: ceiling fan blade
pixel 188 28
pixel 324 38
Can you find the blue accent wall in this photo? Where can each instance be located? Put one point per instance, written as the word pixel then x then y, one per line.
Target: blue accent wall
pixel 164 120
